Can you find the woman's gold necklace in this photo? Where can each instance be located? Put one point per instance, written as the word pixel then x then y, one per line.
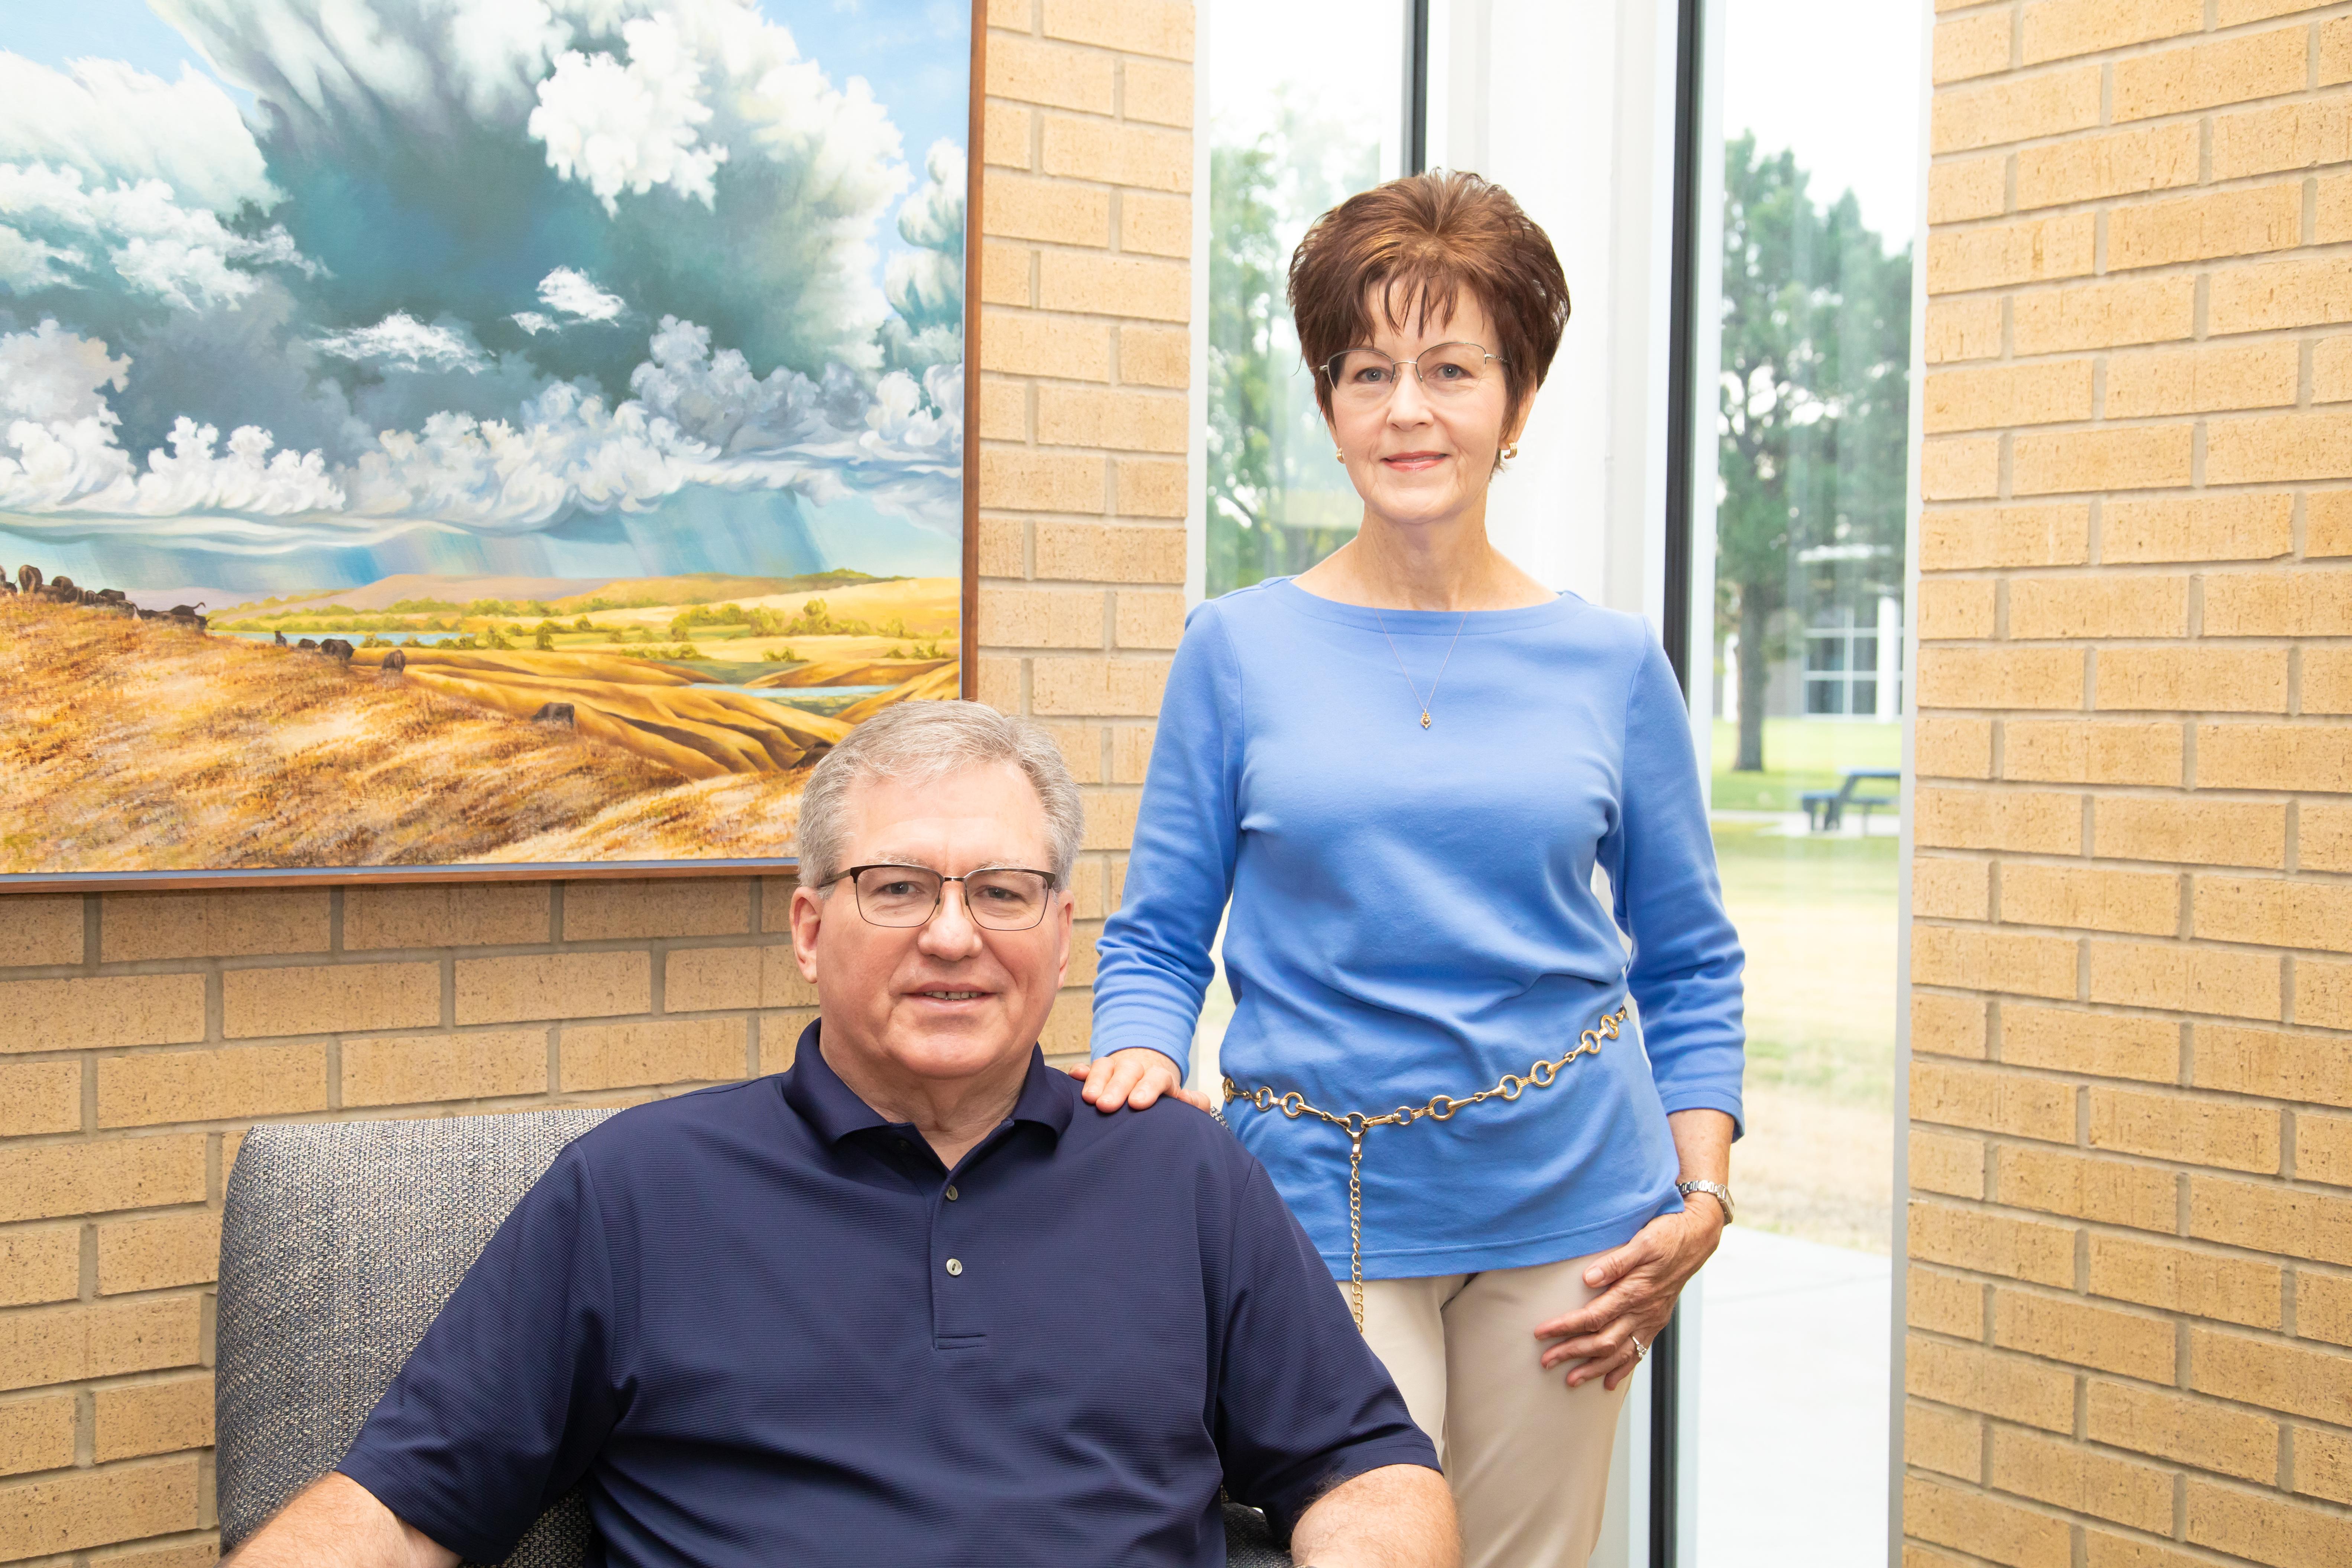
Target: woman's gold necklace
pixel 1418 702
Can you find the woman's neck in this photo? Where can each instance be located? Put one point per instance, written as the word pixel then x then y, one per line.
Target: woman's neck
pixel 1426 567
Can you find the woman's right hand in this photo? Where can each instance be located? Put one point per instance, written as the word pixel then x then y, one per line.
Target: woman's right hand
pixel 1134 1078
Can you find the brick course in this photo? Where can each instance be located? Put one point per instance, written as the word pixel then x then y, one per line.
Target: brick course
pixel 141 1033
pixel 2130 1340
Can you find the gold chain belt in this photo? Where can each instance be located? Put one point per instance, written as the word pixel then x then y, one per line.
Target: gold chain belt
pixel 1439 1107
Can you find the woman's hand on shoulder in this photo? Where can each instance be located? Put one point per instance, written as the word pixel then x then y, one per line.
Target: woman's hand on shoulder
pixel 1134 1079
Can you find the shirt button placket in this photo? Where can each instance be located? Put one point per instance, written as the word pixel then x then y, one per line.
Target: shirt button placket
pixel 951 1314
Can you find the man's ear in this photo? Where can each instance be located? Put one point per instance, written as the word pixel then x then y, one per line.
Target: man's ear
pixel 1061 931
pixel 808 918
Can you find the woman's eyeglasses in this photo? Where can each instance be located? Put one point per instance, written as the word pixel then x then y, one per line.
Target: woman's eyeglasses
pixel 1363 377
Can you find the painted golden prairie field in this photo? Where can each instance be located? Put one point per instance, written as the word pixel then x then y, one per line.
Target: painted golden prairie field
pixel 136 745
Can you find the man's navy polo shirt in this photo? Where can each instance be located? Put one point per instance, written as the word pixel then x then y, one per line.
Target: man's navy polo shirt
pixel 768 1327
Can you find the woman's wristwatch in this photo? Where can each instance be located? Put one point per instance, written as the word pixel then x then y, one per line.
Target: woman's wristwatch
pixel 1715 1190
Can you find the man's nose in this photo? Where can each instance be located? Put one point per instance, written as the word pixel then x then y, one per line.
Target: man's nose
pixel 950 932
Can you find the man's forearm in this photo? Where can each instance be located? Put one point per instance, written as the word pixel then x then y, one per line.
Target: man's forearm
pixel 338 1523
pixel 1399 1516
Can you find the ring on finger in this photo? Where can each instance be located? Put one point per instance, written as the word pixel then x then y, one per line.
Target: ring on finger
pixel 1639 1349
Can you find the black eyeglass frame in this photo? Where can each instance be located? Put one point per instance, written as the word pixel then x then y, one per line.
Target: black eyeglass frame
pixel 939 895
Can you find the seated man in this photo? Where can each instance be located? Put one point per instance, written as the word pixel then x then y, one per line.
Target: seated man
pixel 909 1302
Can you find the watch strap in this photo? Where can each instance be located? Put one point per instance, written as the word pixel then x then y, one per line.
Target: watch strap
pixel 1715 1190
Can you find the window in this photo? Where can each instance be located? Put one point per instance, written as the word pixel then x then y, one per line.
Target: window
pixel 1853 666
pixel 1813 421
pixel 1304 112
pixel 1776 1449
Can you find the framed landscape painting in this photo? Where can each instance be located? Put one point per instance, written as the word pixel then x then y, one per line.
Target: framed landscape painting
pixel 464 438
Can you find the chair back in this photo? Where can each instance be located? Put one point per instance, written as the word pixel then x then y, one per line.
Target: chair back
pixel 339 1242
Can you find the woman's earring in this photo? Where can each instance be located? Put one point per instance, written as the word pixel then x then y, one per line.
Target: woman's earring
pixel 1510 451
pixel 1340 458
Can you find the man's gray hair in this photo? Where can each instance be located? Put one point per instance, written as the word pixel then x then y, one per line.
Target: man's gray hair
pixel 918 743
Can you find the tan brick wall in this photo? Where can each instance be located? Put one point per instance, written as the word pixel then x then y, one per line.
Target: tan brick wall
pixel 141 1034
pixel 2129 1288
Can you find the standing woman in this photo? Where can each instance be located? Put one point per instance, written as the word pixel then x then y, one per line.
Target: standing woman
pixel 1401 768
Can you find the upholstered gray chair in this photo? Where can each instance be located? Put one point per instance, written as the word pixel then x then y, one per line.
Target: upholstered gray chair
pixel 339 1241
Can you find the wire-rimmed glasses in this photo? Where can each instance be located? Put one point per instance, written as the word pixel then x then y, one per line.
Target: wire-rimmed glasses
pixel 998 897
pixel 1363 377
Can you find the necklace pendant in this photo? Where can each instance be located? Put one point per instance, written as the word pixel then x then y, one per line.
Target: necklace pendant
pixel 1424 720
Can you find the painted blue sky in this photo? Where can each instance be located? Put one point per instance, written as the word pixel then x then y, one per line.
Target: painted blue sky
pixel 477 290
pixel 916 53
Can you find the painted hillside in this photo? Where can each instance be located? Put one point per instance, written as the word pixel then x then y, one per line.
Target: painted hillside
pixel 131 743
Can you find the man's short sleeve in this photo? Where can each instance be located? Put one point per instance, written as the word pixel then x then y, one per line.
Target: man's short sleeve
pixel 1303 1404
pixel 508 1397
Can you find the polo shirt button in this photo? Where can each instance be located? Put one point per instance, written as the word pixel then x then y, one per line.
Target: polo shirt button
pixel 953 1194
pixel 955 1265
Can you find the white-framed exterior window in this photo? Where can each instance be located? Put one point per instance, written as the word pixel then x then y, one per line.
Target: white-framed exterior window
pixel 1815 99
pixel 1853 665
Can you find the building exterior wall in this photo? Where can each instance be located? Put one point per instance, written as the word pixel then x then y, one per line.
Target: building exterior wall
pixel 2130 1222
pixel 141 1033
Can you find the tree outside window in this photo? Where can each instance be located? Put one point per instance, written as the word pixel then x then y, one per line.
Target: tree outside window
pixel 1813 425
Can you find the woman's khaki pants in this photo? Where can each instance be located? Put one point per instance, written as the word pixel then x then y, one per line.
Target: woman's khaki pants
pixel 1528 1457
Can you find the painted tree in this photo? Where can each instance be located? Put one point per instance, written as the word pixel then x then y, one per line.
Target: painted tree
pixel 1814 414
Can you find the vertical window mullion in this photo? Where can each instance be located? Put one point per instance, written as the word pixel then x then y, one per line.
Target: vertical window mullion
pixel 1684 382
pixel 1416 85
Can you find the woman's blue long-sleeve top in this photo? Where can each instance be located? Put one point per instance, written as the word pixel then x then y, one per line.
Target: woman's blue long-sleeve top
pixel 1414 915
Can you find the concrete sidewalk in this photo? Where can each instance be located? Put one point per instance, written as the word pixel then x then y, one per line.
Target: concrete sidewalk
pixel 1792 1372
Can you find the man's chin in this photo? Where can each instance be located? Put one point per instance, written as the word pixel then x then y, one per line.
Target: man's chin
pixel 954 1040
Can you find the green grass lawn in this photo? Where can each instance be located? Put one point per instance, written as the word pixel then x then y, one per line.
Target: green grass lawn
pixel 1817 916
pixel 1801 755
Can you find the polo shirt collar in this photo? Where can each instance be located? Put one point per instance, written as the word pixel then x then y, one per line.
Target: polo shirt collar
pixel 817 1094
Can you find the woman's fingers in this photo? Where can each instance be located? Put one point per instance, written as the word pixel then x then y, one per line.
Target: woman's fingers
pixel 1623 1370
pixel 1613 1265
pixel 1605 1335
pixel 1097 1076
pixel 1606 1342
pixel 1133 1078
pixel 1604 1326
pixel 1146 1086
pixel 1600 1354
pixel 1102 1074
pixel 1119 1085
pixel 1623 1272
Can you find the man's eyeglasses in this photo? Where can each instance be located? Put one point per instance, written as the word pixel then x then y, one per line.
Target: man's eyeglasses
pixel 1361 378
pixel 1000 898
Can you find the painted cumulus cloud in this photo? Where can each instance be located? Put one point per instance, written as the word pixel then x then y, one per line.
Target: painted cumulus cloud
pixel 474 285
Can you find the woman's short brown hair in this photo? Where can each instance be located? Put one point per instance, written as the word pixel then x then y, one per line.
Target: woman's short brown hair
pixel 1420 241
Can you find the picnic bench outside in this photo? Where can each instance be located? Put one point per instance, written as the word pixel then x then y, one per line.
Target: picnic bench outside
pixel 1825 808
